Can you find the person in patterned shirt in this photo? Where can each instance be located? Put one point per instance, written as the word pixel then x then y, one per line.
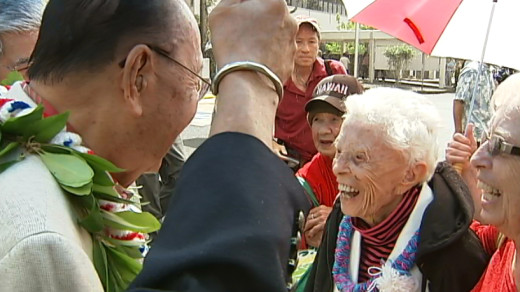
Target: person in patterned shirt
pixel 481 111
pixel 491 173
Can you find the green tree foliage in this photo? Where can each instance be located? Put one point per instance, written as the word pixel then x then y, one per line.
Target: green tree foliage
pixel 337 48
pixel 351 48
pixel 349 25
pixel 334 47
pixel 399 58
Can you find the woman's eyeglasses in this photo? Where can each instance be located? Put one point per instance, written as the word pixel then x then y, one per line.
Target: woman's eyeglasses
pixel 497 145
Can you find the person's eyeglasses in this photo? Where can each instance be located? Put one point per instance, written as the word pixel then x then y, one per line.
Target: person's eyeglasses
pixel 19 66
pixel 497 145
pixel 203 85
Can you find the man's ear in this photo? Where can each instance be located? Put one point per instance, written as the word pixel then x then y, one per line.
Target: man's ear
pixel 136 71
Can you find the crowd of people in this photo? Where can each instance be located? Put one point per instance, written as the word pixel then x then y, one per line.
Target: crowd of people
pixel 100 99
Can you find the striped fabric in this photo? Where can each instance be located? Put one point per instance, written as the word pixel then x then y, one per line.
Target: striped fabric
pixel 378 242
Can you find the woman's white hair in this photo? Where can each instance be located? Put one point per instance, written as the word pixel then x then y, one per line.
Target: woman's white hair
pixel 408 121
pixel 20 16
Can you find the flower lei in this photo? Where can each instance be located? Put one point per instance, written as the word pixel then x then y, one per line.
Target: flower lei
pixel 392 276
pixel 103 208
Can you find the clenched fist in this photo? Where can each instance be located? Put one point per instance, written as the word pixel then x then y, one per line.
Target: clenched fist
pixel 261 31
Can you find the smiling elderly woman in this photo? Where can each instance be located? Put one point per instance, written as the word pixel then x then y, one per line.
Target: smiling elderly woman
pixel 400 223
pixel 494 171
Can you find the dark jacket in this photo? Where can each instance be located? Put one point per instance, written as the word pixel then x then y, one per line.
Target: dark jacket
pixel 450 255
pixel 231 223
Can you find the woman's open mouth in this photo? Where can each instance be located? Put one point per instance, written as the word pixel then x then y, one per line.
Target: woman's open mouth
pixel 489 193
pixel 326 142
pixel 347 191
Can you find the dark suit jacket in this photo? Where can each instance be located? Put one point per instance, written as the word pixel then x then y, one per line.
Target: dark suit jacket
pixel 230 225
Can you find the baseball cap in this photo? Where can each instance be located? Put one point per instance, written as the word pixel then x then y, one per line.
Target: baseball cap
pixel 330 94
pixel 301 19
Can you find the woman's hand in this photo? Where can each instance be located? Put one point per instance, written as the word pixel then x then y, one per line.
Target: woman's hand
pixel 461 148
pixel 458 154
pixel 315 224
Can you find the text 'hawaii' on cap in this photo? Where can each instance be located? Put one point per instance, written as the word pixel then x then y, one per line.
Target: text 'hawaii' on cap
pixel 330 95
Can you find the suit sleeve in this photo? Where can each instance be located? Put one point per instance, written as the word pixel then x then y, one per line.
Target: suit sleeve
pixel 229 226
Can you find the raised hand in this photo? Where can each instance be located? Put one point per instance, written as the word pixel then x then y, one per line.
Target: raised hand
pixel 261 31
pixel 461 148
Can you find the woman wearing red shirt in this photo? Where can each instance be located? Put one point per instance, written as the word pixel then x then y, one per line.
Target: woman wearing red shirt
pixel 494 171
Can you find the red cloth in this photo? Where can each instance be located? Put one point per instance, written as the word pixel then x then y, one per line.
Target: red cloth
pixel 291 119
pixel 377 242
pixel 498 276
pixel 4 101
pixel 318 173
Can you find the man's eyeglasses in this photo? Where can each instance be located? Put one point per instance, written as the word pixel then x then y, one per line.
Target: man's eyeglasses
pixel 203 85
pixel 497 145
pixel 19 66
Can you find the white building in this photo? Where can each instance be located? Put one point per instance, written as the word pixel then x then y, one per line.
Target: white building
pixel 327 16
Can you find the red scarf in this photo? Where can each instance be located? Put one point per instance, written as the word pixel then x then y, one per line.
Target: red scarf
pixel 318 173
pixel 377 242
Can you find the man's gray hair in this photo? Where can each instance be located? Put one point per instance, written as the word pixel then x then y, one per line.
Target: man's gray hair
pixel 408 121
pixel 20 16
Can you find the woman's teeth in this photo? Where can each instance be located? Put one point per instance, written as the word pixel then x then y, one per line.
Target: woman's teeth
pixel 348 191
pixel 488 192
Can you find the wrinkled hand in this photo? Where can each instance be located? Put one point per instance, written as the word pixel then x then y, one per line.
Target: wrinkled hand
pixel 261 31
pixel 279 149
pixel 315 224
pixel 461 148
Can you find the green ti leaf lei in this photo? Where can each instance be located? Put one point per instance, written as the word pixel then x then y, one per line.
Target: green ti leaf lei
pixel 86 180
pixel 11 78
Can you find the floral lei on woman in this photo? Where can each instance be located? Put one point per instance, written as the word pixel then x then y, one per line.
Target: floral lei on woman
pixel 392 276
pixel 102 207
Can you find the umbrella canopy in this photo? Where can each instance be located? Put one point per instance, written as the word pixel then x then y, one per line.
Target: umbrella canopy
pixel 448 28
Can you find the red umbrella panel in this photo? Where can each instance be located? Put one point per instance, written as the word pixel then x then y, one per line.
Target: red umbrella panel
pixel 462 29
pixel 419 23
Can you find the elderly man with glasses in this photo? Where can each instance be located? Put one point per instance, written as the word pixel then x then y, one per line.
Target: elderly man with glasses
pixel 113 83
pixel 19 23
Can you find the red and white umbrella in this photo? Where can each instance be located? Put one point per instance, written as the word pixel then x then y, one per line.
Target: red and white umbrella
pixel 467 29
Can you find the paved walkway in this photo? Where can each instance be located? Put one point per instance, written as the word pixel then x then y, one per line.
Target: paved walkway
pixel 426 87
